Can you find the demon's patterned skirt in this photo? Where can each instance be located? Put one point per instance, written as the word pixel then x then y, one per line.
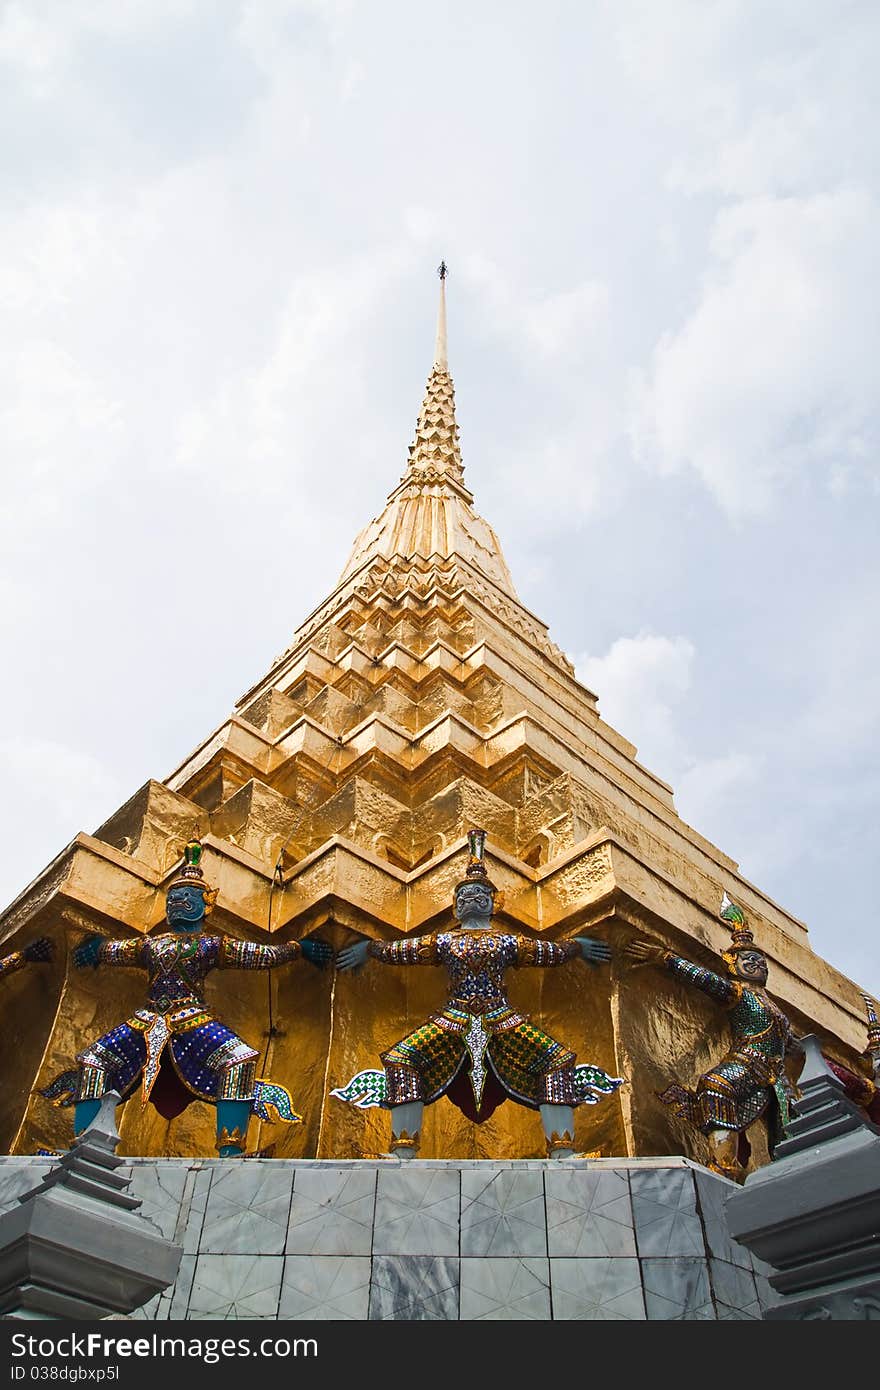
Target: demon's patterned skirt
pixel 211 1061
pixel 531 1067
pixel 735 1093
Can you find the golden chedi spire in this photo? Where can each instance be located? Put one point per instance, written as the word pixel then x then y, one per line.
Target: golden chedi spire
pixel 435 451
pixel 430 513
pixel 418 700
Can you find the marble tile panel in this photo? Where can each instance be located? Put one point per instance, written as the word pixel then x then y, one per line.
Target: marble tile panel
pixel 190 1219
pixel 410 1288
pixel 417 1213
pixel 665 1212
pixel 227 1287
pixel 767 1295
pixel 160 1189
pixel 248 1207
pixel 597 1290
pixel 159 1308
pixel 734 1289
pixel 727 1314
pixel 677 1161
pixel 502 1213
pixel 677 1290
pixel 174 1301
pixel 332 1212
pixel 17 1179
pixel 589 1213
pixel 325 1288
pixel 507 1289
pixel 712 1193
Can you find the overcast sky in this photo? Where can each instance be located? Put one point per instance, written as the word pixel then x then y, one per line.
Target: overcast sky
pixel 219 230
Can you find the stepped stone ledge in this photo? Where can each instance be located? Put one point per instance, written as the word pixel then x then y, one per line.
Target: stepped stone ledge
pixel 76 1246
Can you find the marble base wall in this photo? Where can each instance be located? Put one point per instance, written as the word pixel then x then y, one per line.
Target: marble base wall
pixel 610 1239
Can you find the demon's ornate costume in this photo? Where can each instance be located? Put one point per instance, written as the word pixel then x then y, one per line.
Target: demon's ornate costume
pixel 478 1023
pixel 40 950
pixel 175 1045
pixel 211 1061
pixel 864 1090
pixel 750 1080
pixel 750 1077
pixel 477 1049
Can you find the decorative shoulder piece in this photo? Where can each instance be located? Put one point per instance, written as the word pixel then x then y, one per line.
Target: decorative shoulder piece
pixel 365 1090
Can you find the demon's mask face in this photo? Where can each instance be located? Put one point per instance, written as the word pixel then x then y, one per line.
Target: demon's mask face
pixel 473 900
pixel 185 906
pixel 750 966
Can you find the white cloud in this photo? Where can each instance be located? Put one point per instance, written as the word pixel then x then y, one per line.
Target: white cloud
pixel 51 254
pixel 267 27
pixel 705 788
pixel 46 401
pixel 640 683
pixel 54 792
pixel 29 40
pixel 839 722
pixel 64 781
pixel 759 100
pixel 39 37
pixel 644 684
pixel 773 374
pixel 562 463
pixel 556 324
pixel 216 274
pixel 262 432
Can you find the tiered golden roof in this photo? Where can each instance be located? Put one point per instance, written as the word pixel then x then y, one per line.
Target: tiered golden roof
pixel 420 699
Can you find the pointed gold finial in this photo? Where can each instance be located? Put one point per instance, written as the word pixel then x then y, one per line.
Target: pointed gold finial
pixel 434 455
pixel 440 358
pixel 430 511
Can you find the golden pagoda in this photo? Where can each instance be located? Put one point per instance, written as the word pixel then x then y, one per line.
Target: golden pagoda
pixel 421 698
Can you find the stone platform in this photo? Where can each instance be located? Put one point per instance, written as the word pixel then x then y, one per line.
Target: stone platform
pixel 605 1239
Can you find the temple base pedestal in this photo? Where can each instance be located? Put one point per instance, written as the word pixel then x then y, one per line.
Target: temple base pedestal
pixel 451 1239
